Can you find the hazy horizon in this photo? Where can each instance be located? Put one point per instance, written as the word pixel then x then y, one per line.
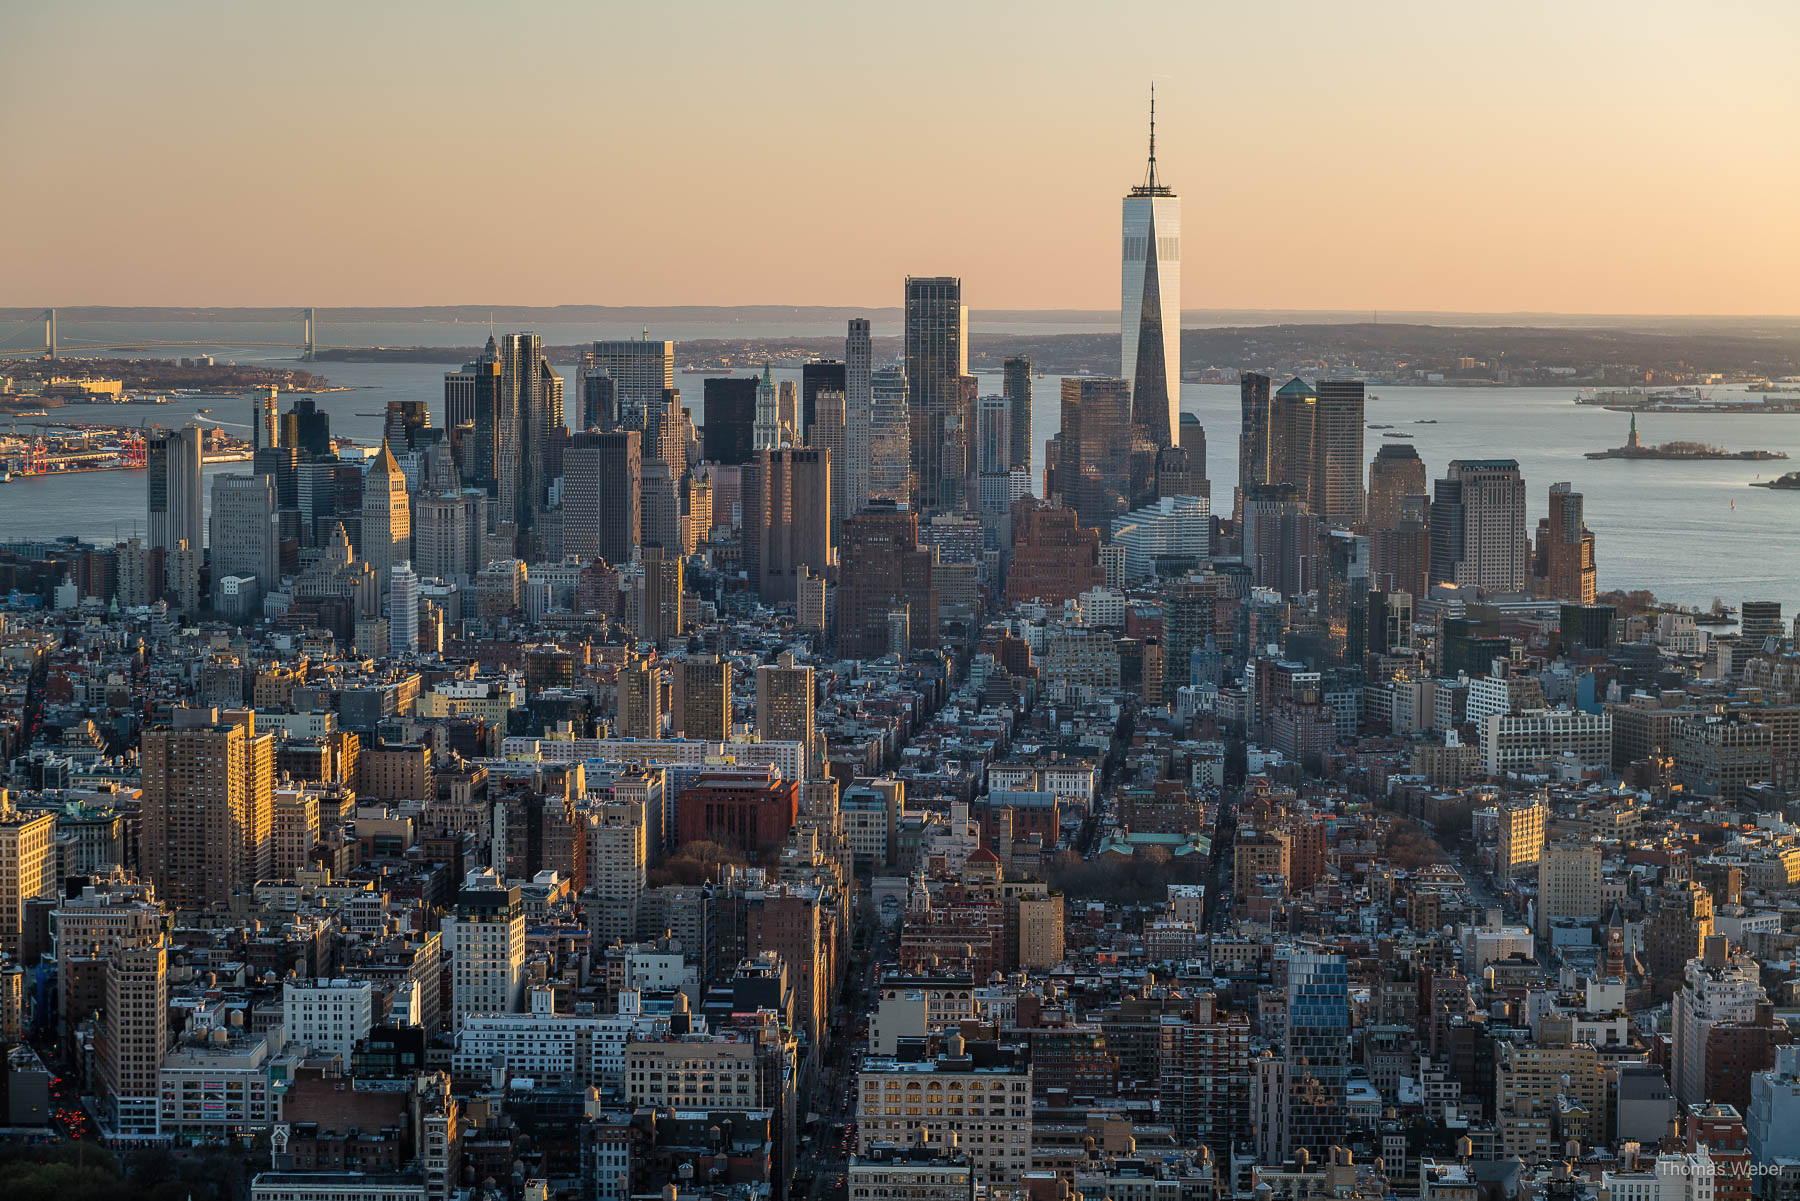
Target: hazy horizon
pixel 1604 159
pixel 475 311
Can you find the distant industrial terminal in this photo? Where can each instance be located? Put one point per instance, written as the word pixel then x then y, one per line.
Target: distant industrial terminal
pixel 1783 397
pixel 35 389
pixel 46 383
pixel 58 449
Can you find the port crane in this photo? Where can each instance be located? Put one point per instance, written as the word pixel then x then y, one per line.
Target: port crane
pixel 34 457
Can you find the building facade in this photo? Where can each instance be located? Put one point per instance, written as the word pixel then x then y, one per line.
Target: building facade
pixel 939 405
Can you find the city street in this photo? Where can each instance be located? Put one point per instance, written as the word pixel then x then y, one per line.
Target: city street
pixel 823 1162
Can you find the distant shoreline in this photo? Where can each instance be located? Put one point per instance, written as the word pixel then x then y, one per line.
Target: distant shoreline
pixel 1381 353
pixel 1191 318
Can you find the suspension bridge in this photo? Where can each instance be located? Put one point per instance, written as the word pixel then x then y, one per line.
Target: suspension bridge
pixel 54 345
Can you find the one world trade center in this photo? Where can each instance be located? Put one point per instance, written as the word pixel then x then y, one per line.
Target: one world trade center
pixel 1150 302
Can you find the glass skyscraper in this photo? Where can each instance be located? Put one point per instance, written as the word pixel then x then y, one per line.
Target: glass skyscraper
pixel 1017 389
pixel 1150 302
pixel 942 409
pixel 859 416
pixel 1318 1051
pixel 890 436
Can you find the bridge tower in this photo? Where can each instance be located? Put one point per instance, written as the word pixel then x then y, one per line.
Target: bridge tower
pixel 49 333
pixel 308 331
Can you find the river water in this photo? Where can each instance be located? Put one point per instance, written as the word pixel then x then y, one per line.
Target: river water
pixel 1688 531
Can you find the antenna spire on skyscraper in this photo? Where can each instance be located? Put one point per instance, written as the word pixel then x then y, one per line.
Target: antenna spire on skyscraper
pixel 1152 186
pixel 1150 175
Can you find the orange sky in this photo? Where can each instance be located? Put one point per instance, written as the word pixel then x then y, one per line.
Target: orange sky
pixel 1573 156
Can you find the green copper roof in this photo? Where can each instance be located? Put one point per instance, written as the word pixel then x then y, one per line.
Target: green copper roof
pixel 1296 387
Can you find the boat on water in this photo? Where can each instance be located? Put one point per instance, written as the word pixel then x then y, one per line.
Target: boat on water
pixel 1425 421
pixel 1396 435
pixel 1381 427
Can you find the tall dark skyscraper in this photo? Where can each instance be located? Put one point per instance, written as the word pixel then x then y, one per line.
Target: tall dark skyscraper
pixel 993 436
pixel 1343 595
pixel 174 503
pixel 1095 472
pixel 1565 549
pixel 1280 538
pixel 509 463
pixel 283 463
pixel 859 417
pixel 307 427
pixel 729 416
pixel 786 497
pixel 1399 505
pixel 1400 554
pixel 1293 424
pixel 1397 472
pixel 886 583
pixel 556 418
pixel 265 423
pixel 1150 301
pixel 1192 438
pixel 476 403
pixel 530 407
pixel 404 420
pixel 1447 516
pixel 937 360
pixel 599 403
pixel 1016 387
pixel 818 375
pixel 602 495
pixel 1317 1048
pixel 1314 442
pixel 1254 470
pixel 1338 452
pixel 890 436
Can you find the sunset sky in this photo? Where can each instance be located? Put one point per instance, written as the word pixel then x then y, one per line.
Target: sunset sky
pixel 1571 156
